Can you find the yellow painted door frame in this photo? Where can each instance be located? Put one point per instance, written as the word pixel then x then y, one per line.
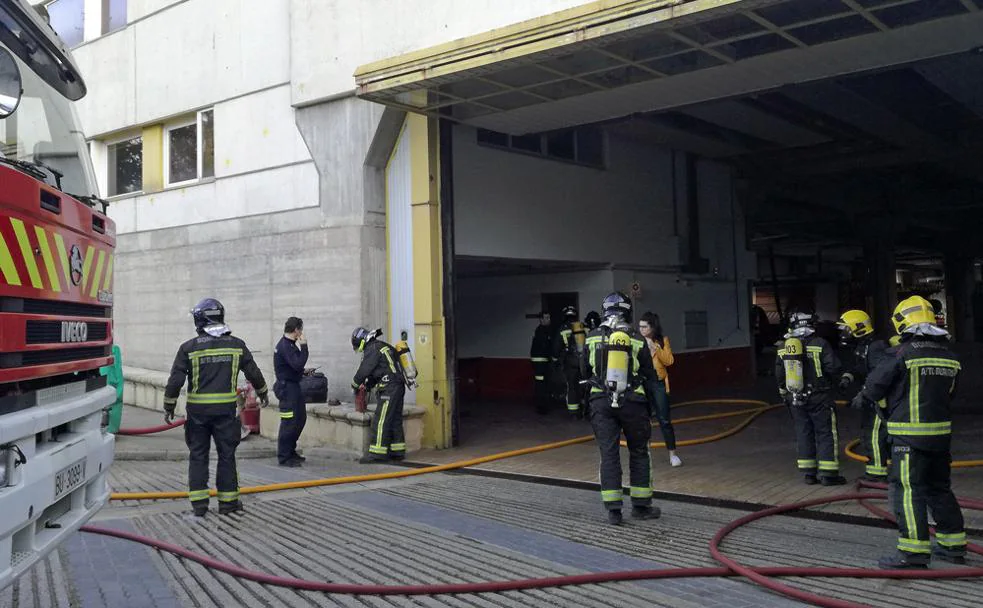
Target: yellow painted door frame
pixel 433 394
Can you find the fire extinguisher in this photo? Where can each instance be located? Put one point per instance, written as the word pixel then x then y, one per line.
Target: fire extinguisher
pixel 248 410
pixel 361 399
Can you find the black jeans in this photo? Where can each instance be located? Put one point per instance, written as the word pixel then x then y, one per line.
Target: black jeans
pixel 659 409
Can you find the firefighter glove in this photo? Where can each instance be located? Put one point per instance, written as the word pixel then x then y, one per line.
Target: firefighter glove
pixel 858 402
pixel 264 399
pixel 169 413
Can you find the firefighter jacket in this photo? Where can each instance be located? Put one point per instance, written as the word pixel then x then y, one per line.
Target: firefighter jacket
pixel 641 368
pixel 211 365
pixel 565 346
pixel 821 367
pixel 541 349
pixel 918 383
pixel 866 356
pixel 379 368
pixel 289 360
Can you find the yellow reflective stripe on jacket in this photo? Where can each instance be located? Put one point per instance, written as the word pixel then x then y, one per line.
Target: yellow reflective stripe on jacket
pixel 392 365
pixel 540 359
pixel 816 352
pixel 933 362
pixel 923 429
pixel 914 384
pixel 211 397
pixel 592 352
pixel 213 352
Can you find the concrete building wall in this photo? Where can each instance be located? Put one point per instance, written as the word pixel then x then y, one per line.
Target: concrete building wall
pixel 331 38
pixel 290 224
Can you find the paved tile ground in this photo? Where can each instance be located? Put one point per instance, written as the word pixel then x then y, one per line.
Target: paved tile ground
pixel 443 528
pixel 757 465
pixel 451 528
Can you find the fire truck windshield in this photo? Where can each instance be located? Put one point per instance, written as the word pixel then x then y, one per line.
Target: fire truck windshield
pixel 44 129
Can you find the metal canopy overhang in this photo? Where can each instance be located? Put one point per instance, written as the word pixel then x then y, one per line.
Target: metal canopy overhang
pixel 614 58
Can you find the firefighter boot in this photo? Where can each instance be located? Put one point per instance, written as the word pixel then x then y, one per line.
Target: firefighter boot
pixel 903 561
pixel 646 512
pixel 228 508
pixel 833 480
pixel 200 510
pixel 614 517
pixel 953 556
pixel 810 479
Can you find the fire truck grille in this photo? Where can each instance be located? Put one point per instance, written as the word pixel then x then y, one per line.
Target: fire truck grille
pixel 54 307
pixel 42 357
pixel 50 332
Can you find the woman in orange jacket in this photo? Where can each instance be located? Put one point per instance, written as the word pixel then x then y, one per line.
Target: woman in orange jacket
pixel 658 392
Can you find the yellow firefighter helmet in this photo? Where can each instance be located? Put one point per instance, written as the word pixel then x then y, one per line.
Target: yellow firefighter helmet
pixel 856 323
pixel 912 311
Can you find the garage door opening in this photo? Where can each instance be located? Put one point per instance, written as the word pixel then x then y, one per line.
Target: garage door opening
pixel 721 162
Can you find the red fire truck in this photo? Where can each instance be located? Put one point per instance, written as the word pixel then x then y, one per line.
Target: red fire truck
pixel 56 300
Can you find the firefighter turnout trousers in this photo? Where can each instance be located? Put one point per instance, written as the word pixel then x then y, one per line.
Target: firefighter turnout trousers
pixel 816 436
pixel 541 373
pixel 632 418
pixel 387 424
pixel 575 391
pixel 873 434
pixel 293 419
pixel 205 424
pixel 921 482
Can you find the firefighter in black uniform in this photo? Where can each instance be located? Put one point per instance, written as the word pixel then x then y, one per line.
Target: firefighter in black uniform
pixel 811 405
pixel 289 358
pixel 917 380
pixel 540 353
pixel 380 370
pixel 857 332
pixel 210 364
pixel 568 348
pixel 618 365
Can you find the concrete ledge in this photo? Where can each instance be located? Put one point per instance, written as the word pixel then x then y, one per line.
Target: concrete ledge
pixel 145 388
pixel 342 428
pixel 338 427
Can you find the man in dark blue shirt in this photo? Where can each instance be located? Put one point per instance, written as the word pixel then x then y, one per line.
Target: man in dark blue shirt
pixel 289 359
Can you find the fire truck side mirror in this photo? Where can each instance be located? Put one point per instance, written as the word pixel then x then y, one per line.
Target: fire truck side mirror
pixel 11 87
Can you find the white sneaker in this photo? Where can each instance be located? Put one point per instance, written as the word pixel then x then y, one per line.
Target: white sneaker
pixel 675 461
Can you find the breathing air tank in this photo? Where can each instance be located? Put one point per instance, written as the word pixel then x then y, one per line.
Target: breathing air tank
pixel 794 362
pixel 618 358
pixel 406 361
pixel 579 335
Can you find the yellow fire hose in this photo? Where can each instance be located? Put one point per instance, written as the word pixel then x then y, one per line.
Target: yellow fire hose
pixel 751 413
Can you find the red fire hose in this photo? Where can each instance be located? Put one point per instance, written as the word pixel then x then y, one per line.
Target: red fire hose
pixel 732 568
pixel 152 429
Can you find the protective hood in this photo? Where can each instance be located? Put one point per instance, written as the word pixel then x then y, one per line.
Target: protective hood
pixel 217 330
pixel 801 332
pixel 926 329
